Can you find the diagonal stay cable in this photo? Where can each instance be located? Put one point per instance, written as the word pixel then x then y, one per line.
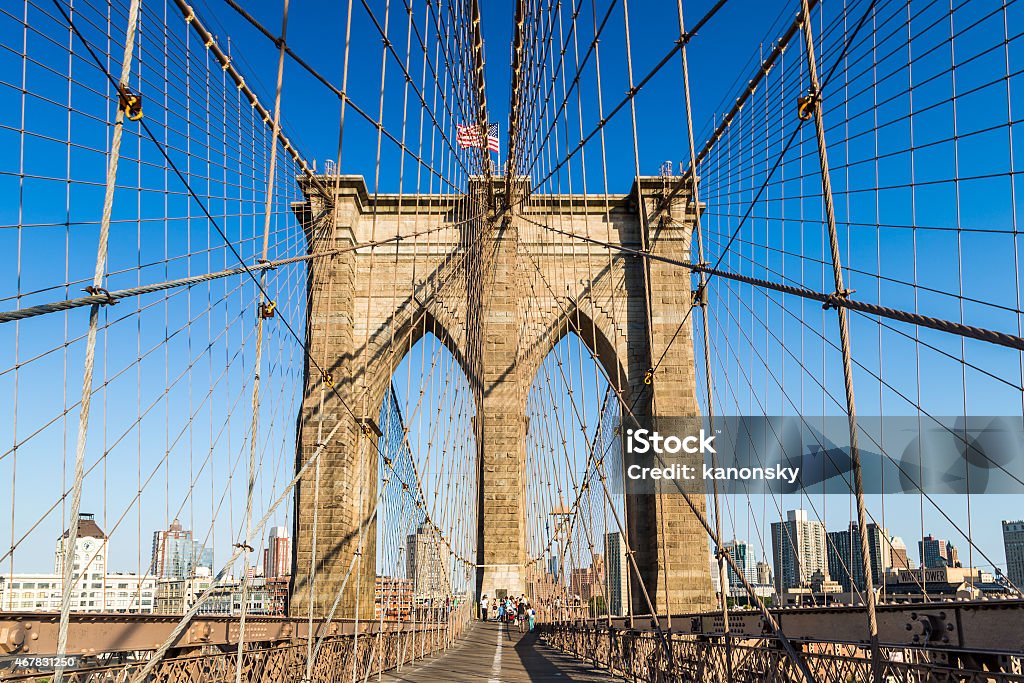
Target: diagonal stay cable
pixel 769 618
pixel 340 92
pixel 631 94
pixel 251 271
pixel 689 176
pixel 188 13
pixel 751 87
pixel 112 297
pixel 828 300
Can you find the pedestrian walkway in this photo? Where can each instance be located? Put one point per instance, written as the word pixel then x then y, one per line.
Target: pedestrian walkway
pixel 493 653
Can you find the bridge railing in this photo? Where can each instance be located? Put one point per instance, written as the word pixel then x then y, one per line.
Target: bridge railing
pixel 208 649
pixel 653 657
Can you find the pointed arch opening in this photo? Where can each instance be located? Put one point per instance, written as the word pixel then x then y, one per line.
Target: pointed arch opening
pixel 427 481
pixel 575 513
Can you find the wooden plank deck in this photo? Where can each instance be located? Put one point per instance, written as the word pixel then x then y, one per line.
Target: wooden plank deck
pixel 493 653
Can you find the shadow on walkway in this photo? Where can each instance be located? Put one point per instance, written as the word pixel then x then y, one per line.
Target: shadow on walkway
pixel 493 653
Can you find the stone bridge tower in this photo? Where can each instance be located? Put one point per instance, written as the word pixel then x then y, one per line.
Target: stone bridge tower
pixel 359 305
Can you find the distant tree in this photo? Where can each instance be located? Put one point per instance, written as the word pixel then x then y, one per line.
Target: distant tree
pixel 598 606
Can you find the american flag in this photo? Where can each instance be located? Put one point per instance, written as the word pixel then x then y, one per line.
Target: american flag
pixel 471 136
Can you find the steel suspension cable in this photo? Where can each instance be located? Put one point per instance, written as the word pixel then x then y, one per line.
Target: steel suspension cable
pixel 69 543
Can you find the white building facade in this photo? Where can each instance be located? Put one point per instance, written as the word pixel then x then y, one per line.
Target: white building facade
pixel 94 589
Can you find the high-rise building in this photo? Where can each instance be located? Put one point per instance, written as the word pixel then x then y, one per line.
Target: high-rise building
pixel 743 554
pixel 898 554
pixel 936 553
pixel 176 554
pixel 618 574
pixel 588 582
pixel 425 566
pixel 798 550
pixel 846 560
pixel 277 556
pixel 1013 544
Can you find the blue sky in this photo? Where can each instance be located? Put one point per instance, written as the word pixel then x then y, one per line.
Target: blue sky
pixel 769 354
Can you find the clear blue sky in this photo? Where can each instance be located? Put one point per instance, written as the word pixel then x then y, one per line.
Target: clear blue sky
pixel 721 58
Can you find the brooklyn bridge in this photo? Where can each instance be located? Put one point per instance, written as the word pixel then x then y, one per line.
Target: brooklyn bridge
pixel 680 341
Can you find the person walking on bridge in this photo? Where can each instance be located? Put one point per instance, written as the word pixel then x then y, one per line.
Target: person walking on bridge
pixel 484 604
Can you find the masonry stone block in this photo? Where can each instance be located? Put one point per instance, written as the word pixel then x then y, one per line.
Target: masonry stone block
pixel 366 311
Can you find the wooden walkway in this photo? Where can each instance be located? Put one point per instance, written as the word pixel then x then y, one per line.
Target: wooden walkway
pixel 492 653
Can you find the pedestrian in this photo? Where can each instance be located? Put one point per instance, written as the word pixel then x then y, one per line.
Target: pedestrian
pixel 532 614
pixel 501 610
pixel 521 614
pixel 484 605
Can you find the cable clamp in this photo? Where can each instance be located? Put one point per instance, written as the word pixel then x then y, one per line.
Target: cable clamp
pixel 268 309
pixel 649 376
pixel 244 546
pixel 806 104
pixel 99 291
pixel 682 40
pixel 265 262
pixel 832 300
pixel 130 102
pixel 699 296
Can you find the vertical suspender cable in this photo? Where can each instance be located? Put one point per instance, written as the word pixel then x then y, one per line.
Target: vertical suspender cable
pixel 263 304
pixel 844 338
pixel 700 299
pixel 311 599
pixel 68 543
